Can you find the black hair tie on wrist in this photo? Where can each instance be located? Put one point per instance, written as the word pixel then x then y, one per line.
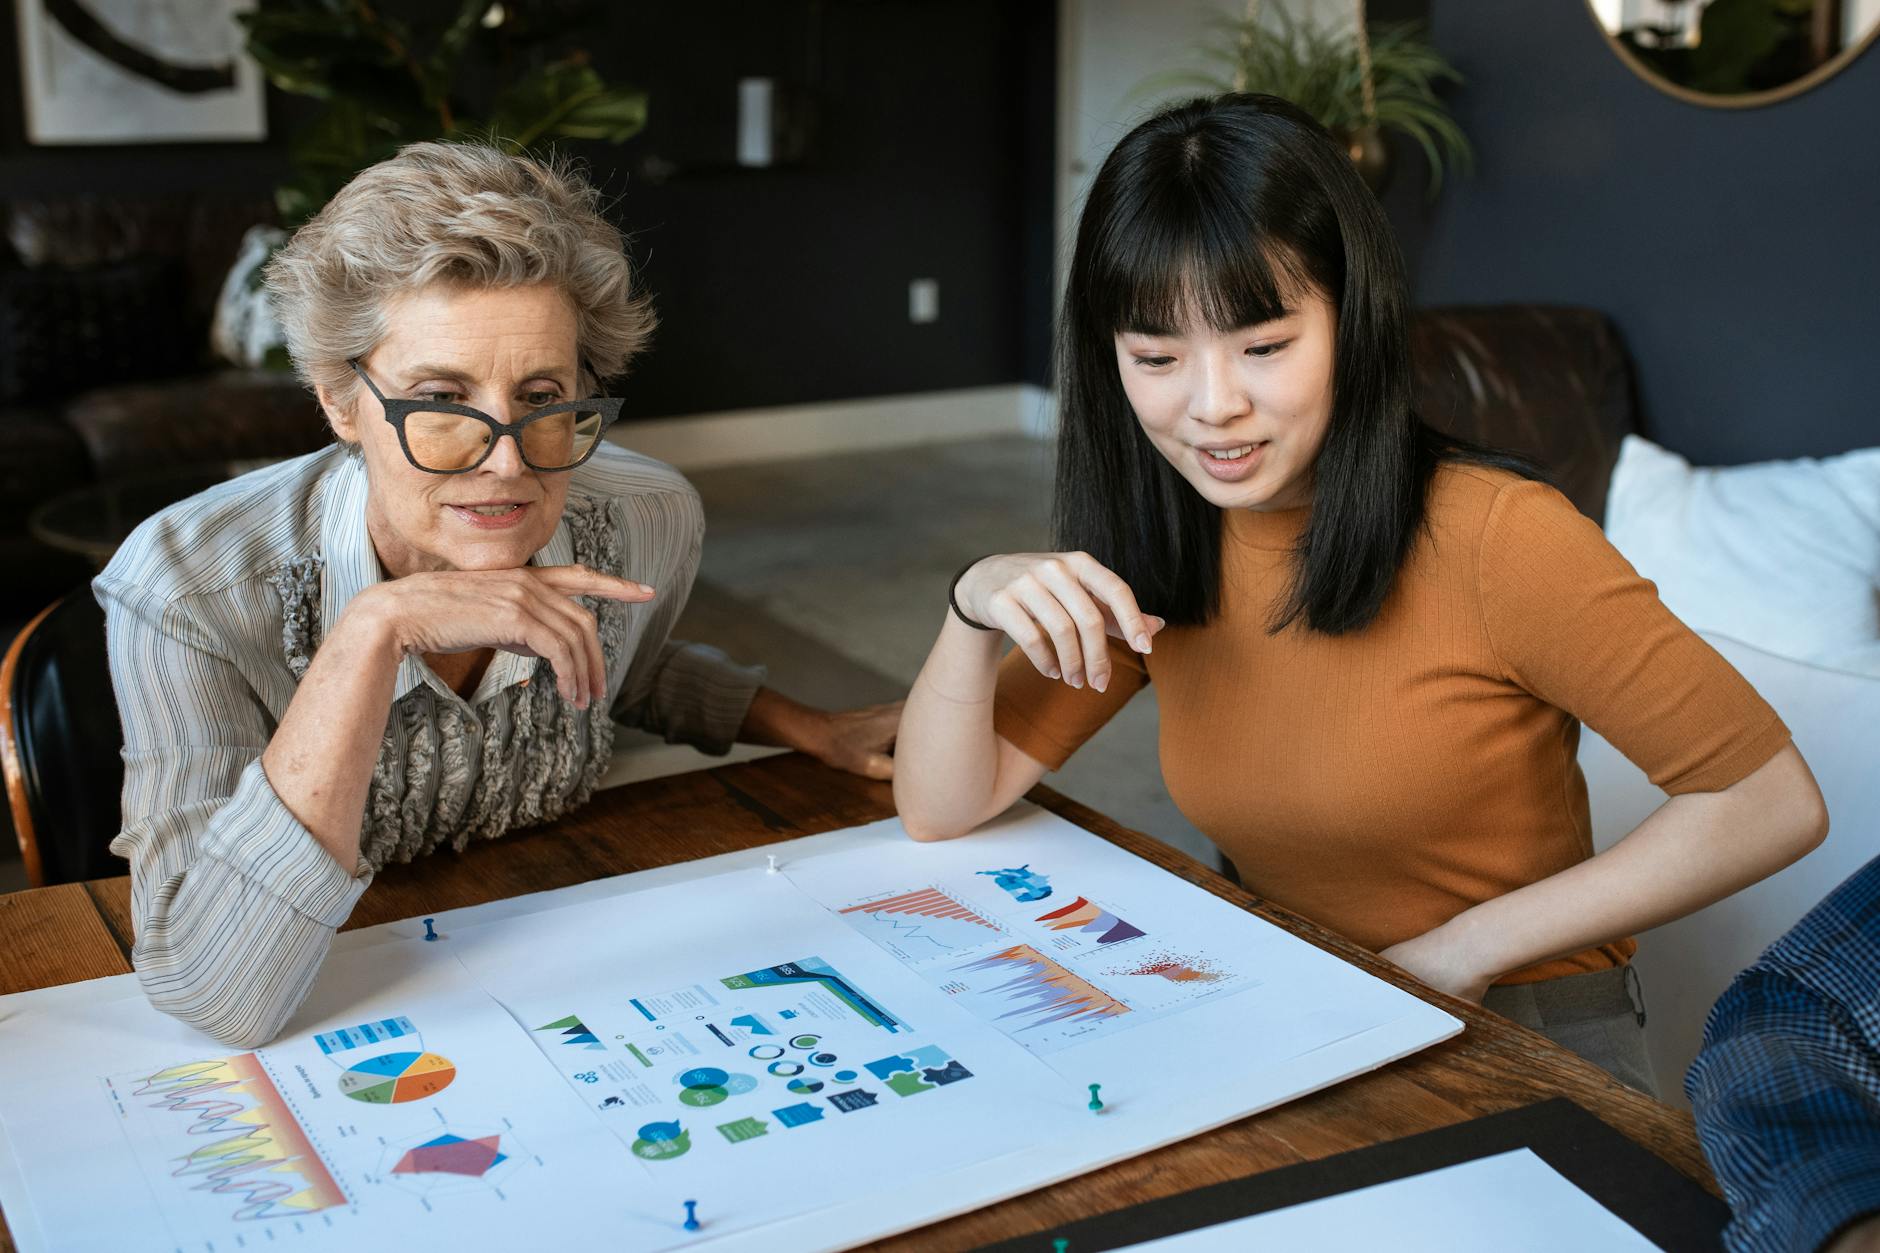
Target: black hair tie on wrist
pixel 953 594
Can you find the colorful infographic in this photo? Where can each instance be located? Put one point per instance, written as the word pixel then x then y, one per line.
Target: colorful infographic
pixel 1172 968
pixel 451 1159
pixel 385 1062
pixel 1024 883
pixel 237 1139
pixel 815 973
pixel 1049 976
pixel 393 1078
pixel 1022 987
pixel 923 924
pixel 573 1031
pixel 1092 921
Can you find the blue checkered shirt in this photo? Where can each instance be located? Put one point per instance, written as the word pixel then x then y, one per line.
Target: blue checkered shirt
pixel 1787 1087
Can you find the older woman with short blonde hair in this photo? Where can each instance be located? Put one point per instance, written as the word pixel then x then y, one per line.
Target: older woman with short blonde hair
pixel 423 634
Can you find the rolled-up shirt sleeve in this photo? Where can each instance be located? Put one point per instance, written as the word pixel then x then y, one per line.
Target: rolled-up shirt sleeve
pixel 688 693
pixel 235 903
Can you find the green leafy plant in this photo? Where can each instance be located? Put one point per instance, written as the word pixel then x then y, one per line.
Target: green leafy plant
pixel 495 72
pixel 1321 69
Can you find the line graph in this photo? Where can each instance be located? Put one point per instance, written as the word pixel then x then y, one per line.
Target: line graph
pixel 248 1147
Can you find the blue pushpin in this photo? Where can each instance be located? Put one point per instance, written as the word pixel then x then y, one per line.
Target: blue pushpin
pixel 1095 1104
pixel 430 932
pixel 691 1216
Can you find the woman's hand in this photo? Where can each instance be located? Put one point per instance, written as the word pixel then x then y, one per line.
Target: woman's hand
pixel 530 610
pixel 1435 958
pixel 856 740
pixel 1057 607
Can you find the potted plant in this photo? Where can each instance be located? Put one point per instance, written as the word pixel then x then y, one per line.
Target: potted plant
pixel 500 72
pixel 1359 82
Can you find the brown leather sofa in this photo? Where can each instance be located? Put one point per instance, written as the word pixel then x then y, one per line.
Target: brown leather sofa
pixel 1550 383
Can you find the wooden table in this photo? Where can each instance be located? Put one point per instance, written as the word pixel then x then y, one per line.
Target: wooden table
pixel 83 931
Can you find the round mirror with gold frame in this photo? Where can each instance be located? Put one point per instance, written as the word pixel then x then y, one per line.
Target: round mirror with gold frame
pixel 1736 54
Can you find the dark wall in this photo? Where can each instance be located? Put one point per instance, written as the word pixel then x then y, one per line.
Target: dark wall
pixel 791 285
pixel 1734 248
pixel 931 159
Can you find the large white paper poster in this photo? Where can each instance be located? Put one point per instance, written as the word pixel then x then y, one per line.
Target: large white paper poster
pixel 416 1113
pixel 878 1036
pixel 755 1055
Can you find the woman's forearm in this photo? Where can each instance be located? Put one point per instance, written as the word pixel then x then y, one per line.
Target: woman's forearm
pixel 1692 851
pixel 947 758
pixel 320 760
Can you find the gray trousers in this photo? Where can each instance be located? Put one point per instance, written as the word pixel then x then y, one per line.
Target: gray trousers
pixel 1600 1016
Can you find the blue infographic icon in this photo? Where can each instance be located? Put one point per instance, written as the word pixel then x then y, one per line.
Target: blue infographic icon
pixel 1022 882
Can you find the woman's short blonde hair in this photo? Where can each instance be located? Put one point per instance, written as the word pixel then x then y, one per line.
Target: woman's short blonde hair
pixel 460 213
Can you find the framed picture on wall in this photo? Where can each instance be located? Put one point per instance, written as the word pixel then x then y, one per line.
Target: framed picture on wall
pixel 137 71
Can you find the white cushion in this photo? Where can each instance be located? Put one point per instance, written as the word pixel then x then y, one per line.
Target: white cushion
pixel 1686 965
pixel 1782 555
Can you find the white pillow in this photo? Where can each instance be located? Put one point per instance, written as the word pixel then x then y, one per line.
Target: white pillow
pixel 1687 964
pixel 1782 555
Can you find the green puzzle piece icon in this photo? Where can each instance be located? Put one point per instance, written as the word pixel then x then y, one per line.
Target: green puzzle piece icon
pixel 907 1084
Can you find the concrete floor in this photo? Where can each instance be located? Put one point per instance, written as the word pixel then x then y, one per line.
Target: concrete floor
pixel 841 565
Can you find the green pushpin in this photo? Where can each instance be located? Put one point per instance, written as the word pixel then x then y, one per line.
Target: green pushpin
pixel 1095 1103
pixel 1060 1245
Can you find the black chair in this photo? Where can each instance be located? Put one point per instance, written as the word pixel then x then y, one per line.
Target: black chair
pixel 59 744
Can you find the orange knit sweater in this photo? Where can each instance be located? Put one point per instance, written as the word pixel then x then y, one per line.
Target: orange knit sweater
pixel 1384 781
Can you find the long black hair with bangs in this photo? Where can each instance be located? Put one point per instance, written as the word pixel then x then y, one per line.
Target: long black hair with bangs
pixel 1222 208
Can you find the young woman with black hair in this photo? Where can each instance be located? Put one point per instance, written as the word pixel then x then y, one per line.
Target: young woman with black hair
pixel 1373 645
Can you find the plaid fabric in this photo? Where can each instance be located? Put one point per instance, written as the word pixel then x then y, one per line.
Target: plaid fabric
pixel 1787 1087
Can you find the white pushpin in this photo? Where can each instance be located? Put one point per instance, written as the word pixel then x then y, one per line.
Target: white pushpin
pixel 772 859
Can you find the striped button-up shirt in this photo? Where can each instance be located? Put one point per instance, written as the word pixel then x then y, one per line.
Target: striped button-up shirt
pixel 213 610
pixel 1787 1087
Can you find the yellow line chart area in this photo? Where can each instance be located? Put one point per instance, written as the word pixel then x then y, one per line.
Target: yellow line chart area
pixel 246 1144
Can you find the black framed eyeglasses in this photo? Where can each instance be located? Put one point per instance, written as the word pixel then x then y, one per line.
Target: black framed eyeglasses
pixel 441 438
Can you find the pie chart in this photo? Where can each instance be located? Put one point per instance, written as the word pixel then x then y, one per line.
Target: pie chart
pixel 393 1077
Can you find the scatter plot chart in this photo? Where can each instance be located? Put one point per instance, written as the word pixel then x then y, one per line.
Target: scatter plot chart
pixel 922 925
pixel 1174 969
pixel 1158 981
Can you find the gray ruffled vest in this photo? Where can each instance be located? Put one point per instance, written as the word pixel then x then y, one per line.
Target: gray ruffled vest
pixel 447 774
